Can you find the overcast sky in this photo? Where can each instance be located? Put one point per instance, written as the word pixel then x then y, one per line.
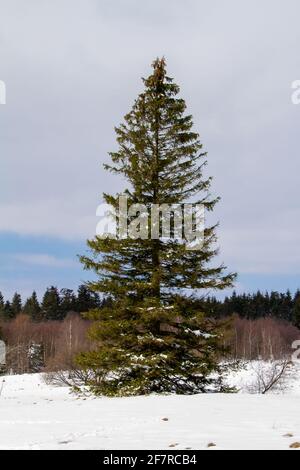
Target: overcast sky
pixel 72 69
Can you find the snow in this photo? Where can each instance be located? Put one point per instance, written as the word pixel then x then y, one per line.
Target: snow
pixel 34 415
pixel 245 379
pixel 199 333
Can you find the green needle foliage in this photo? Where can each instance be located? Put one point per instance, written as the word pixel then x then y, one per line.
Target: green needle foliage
pixel 153 336
pixel 296 313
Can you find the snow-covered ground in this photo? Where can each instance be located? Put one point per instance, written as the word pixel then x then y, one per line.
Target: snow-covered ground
pixel 34 415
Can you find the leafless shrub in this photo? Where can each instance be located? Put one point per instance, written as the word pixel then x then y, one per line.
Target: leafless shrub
pixel 270 375
pixel 72 377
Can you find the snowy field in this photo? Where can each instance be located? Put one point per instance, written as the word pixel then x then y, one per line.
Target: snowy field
pixel 34 415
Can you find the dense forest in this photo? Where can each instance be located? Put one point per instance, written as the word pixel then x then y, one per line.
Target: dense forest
pixel 281 306
pixel 56 304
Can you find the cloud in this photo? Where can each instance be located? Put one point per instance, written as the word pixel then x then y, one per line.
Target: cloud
pixel 72 70
pixel 44 260
pixel 70 219
pixel 262 252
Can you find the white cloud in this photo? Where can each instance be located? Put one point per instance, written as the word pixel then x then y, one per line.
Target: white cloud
pixel 69 219
pixel 72 71
pixel 44 260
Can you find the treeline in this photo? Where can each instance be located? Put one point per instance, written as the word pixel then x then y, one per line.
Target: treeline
pixel 255 306
pixel 55 304
pixel 47 335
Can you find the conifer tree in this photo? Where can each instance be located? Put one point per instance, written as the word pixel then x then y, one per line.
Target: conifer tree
pixel 86 299
pixel 154 338
pixel 32 307
pixel 8 313
pixel 1 306
pixel 51 304
pixel 16 304
pixel 296 312
pixel 67 302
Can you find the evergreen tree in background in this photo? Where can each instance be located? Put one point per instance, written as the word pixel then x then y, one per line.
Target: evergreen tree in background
pixel 1 306
pixel 8 313
pixel 296 312
pixel 36 357
pixel 67 302
pixel 16 304
pixel 153 338
pixel 32 308
pixel 51 305
pixel 86 299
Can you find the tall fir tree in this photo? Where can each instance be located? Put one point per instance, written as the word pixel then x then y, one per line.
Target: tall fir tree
pixel 154 338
